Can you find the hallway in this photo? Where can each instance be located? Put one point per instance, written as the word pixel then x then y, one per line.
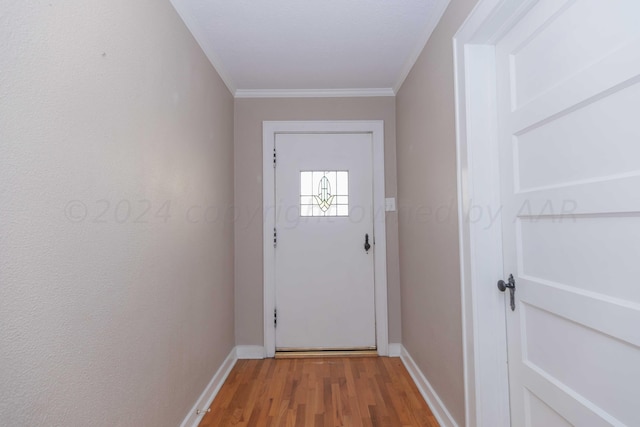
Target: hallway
pixel 132 222
pixel 322 392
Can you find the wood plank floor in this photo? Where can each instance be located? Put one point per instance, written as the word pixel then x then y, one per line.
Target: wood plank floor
pixel 350 392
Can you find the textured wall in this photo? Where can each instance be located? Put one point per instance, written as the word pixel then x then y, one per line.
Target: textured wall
pixel 249 114
pixel 110 316
pixel 427 195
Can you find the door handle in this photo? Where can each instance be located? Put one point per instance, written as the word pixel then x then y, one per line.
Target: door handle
pixel 511 285
pixel 367 246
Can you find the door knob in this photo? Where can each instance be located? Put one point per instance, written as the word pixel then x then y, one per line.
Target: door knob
pixel 367 246
pixel 511 285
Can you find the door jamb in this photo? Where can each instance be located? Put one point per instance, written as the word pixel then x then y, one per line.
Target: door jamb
pixel 269 131
pixel 479 206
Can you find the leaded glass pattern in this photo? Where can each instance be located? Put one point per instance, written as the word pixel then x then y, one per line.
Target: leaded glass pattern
pixel 324 193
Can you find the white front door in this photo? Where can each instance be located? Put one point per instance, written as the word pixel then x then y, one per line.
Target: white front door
pixel 569 128
pixel 324 217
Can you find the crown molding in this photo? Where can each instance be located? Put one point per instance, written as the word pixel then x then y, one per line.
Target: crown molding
pixel 202 40
pixel 208 50
pixel 312 93
pixel 434 19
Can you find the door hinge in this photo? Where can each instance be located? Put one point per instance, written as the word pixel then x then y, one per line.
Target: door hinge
pixel 275 317
pixel 275 237
pixel 274 157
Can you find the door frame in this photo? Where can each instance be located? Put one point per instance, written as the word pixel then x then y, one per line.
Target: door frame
pixel 486 375
pixel 269 131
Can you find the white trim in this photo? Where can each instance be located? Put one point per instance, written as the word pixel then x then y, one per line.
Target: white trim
pixel 204 42
pixel 376 128
pixel 250 352
pixel 395 349
pixel 206 398
pixel 313 93
pixel 427 391
pixel 433 20
pixel 483 316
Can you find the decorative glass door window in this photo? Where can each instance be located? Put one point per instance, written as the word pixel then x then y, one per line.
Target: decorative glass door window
pixel 324 193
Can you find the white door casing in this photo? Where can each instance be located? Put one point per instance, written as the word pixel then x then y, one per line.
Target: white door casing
pixel 324 276
pixel 271 129
pixel 568 76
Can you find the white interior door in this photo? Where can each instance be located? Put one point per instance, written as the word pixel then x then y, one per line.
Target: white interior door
pixel 569 124
pixel 324 276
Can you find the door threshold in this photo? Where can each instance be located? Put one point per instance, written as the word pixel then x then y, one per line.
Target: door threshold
pixel 324 353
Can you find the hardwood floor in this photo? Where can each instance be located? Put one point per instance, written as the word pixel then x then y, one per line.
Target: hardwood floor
pixel 350 392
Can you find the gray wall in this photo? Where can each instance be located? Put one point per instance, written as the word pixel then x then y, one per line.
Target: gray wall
pixel 105 105
pixel 429 252
pixel 249 114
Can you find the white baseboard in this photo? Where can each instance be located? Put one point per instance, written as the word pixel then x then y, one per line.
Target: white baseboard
pixel 251 352
pixel 206 398
pixel 428 393
pixel 395 350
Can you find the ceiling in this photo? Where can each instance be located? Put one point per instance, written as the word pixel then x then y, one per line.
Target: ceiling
pixel 311 47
